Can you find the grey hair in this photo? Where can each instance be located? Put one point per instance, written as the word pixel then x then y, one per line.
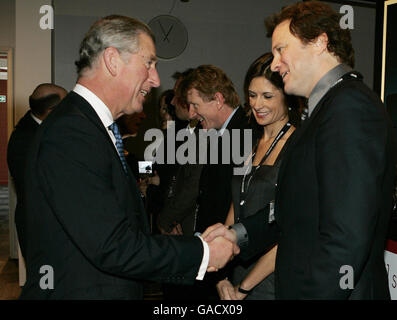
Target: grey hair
pixel 115 31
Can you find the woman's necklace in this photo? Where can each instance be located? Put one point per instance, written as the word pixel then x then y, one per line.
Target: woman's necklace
pixel 244 189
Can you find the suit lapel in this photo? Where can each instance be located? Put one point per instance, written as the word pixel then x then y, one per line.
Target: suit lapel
pixel 299 133
pixel 235 120
pixel 129 179
pixel 91 115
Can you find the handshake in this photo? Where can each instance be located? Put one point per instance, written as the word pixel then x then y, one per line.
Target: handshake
pixel 222 245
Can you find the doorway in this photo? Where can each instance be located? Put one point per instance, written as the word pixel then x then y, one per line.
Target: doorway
pixel 7 122
pixel 4 100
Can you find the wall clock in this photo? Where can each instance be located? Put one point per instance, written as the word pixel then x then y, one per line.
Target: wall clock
pixel 171 36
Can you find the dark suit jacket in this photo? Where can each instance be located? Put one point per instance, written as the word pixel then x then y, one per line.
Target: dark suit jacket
pixel 84 216
pixel 17 156
pixel 391 107
pixel 181 196
pixel 215 195
pixel 333 200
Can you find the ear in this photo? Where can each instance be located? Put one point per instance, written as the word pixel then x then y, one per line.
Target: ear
pixel 321 43
pixel 219 99
pixel 111 59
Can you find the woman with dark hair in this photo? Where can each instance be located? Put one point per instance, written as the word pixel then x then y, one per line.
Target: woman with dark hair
pixel 276 115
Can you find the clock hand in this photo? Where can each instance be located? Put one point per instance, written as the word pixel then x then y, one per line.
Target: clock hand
pixel 164 33
pixel 166 36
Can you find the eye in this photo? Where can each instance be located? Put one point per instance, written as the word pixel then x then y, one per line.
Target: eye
pixel 149 63
pixel 280 49
pixel 251 94
pixel 267 96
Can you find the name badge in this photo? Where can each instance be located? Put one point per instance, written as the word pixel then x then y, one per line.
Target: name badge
pixel 271 212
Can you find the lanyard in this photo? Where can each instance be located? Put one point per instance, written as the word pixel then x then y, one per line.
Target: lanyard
pixel 244 190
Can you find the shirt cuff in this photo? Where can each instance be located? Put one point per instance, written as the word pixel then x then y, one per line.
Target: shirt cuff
pixel 241 233
pixel 205 261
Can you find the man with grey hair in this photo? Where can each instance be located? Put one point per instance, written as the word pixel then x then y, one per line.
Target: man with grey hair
pixel 84 215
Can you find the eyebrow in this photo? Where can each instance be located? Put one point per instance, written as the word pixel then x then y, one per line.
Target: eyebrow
pixel 153 58
pixel 278 44
pixel 264 92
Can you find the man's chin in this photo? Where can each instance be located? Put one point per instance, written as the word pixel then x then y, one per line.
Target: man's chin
pixel 296 91
pixel 135 109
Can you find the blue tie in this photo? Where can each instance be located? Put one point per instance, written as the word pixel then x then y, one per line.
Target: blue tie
pixel 119 144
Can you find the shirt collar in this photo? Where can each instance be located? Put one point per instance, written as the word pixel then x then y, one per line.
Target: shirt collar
pixel 97 104
pixel 326 83
pixel 221 130
pixel 36 119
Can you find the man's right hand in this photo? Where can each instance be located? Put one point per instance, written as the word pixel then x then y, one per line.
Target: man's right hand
pixel 220 230
pixel 221 252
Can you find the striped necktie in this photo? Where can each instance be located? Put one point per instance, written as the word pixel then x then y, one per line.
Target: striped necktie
pixel 119 144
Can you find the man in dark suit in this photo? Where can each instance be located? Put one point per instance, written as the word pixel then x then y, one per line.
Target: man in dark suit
pixel 334 191
pixel 43 99
pixel 214 101
pixel 87 233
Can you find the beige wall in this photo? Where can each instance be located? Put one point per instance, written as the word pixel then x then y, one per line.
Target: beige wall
pixel 32 52
pixel 7 23
pixel 32 66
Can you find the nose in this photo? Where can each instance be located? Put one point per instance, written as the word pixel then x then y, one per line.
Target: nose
pixel 255 103
pixel 275 65
pixel 154 78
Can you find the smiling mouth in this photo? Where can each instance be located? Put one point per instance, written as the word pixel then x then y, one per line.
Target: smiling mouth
pixel 284 74
pixel 262 114
pixel 201 121
pixel 144 92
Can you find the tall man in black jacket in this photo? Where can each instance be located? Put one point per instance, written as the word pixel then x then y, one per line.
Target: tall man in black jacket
pixel 87 233
pixel 334 191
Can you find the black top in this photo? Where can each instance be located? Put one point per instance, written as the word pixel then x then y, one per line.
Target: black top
pixel 260 189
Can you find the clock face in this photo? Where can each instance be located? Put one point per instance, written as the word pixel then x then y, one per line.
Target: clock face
pixel 171 36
